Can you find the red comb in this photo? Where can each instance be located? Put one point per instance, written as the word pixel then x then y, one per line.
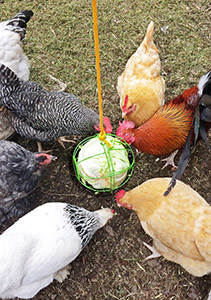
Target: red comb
pixel 124 106
pixel 124 126
pixel 107 124
pixel 118 195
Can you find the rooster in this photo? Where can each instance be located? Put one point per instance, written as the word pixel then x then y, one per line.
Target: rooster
pixel 179 224
pixel 39 246
pixel 20 171
pixel 140 87
pixel 12 34
pixel 167 130
pixel 46 116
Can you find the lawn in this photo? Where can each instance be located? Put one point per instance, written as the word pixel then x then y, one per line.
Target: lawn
pixel 60 42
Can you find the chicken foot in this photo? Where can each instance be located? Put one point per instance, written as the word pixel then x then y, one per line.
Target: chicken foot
pixel 62 139
pixel 153 250
pixel 40 148
pixel 170 160
pixel 2 109
pixel 62 274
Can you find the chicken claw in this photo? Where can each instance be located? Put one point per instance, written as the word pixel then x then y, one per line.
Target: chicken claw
pixel 62 139
pixel 40 149
pixel 62 274
pixel 153 250
pixel 170 160
pixel 2 109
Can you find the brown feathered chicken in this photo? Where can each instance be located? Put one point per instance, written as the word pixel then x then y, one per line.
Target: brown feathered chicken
pixel 179 224
pixel 168 129
pixel 140 87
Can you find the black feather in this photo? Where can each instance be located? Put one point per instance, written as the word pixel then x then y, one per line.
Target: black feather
pixel 18 23
pixel 183 161
pixel 202 116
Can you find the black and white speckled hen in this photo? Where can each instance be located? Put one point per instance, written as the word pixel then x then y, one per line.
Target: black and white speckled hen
pixel 45 116
pixel 20 171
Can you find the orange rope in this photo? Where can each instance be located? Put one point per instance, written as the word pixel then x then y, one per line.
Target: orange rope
pixel 102 134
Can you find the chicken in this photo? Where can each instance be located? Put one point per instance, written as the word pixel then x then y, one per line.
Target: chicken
pixel 201 124
pixel 39 246
pixel 167 130
pixel 179 224
pixel 20 171
pixel 12 33
pixel 141 87
pixel 45 116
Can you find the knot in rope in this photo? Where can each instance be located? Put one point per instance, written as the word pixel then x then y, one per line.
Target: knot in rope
pixel 102 137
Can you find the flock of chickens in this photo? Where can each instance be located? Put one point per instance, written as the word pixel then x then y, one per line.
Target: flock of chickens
pixel 39 246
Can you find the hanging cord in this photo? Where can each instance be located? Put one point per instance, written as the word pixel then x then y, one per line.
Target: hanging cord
pixel 102 135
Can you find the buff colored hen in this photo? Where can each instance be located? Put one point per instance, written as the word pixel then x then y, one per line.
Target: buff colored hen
pixel 179 224
pixel 140 87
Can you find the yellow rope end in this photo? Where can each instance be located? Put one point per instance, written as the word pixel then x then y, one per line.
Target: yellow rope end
pixel 102 137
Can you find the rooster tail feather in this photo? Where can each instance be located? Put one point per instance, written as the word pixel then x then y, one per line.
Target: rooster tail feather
pixel 203 134
pixel 202 116
pixel 18 23
pixel 196 124
pixel 8 78
pixel 183 161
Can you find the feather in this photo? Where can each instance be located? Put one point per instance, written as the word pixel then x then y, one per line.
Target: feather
pixel 21 171
pixel 183 161
pixel 40 245
pixel 42 115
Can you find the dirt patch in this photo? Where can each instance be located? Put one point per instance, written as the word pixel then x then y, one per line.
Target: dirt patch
pixel 112 266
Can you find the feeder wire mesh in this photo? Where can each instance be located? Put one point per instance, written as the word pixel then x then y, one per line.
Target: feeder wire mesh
pixel 107 153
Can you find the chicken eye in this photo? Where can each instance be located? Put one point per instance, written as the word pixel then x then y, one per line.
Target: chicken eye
pixel 126 134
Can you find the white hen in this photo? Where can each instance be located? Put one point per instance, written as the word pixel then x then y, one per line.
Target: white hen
pixel 12 33
pixel 39 246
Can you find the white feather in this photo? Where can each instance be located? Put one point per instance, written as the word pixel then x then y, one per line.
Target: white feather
pixel 11 52
pixel 202 81
pixel 34 249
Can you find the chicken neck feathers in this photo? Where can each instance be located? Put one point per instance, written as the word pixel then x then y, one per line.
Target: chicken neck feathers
pixel 166 131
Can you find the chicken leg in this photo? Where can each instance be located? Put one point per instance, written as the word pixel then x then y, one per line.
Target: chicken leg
pixel 153 250
pixel 170 160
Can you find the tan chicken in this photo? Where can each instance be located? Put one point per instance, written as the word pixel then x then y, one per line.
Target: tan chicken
pixel 140 87
pixel 179 224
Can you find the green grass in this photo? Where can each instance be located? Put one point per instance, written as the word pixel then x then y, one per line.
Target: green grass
pixel 60 41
